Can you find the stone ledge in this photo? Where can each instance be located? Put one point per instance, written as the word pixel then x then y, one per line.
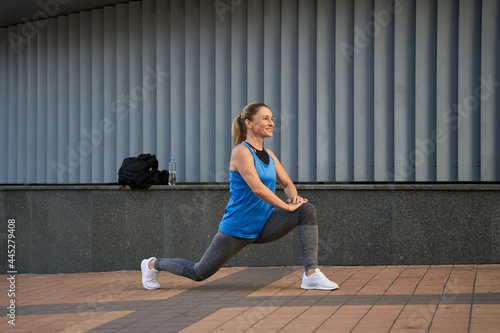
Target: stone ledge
pixel 225 186
pixel 83 228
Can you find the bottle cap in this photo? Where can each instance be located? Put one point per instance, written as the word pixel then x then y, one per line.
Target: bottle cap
pixel 172 159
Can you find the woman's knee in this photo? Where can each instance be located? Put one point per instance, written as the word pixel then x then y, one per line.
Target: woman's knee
pixel 203 272
pixel 192 274
pixel 201 276
pixel 307 214
pixel 198 278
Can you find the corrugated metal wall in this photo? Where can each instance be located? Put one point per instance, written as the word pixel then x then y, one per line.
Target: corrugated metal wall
pixel 365 90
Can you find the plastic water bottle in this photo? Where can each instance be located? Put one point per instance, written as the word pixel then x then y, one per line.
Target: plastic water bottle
pixel 171 172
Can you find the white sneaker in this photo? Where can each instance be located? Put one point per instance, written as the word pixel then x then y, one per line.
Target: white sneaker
pixel 317 280
pixel 149 276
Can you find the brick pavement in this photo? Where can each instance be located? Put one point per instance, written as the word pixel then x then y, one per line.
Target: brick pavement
pixel 461 298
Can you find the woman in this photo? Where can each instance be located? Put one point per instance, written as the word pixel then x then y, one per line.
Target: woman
pixel 254 214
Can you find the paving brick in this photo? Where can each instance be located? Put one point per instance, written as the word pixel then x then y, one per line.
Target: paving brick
pixel 378 319
pixel 414 318
pixel 278 319
pixel 407 281
pixel 434 280
pixel 344 319
pixel 382 280
pixel 262 299
pixel 451 318
pixel 310 320
pixel 488 279
pixel 95 320
pixel 246 319
pixel 214 320
pixel 485 318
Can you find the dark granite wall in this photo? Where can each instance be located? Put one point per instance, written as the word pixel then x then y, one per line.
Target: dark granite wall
pixel 64 229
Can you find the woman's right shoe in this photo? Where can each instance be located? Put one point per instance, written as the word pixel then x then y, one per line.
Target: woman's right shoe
pixel 317 280
pixel 149 276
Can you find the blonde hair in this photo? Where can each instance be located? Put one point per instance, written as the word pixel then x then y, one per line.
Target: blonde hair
pixel 239 127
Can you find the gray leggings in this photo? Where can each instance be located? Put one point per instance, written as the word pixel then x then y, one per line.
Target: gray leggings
pixel 224 246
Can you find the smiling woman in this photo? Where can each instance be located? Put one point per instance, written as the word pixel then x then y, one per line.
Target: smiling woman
pixel 249 114
pixel 254 213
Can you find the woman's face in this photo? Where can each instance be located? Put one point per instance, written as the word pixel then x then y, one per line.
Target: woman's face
pixel 262 123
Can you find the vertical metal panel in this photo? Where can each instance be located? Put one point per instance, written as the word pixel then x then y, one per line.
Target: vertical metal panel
pixel 289 87
pixel 121 105
pixel 84 147
pixel 239 57
pixel 272 70
pixel 325 92
pixel 178 91
pixel 95 133
pixel 490 103
pixel 383 102
pixel 41 102
pixel 148 83
pixel 446 90
pixel 363 91
pixel 4 105
pixel 404 87
pixel 223 96
pixel 31 132
pixel 255 55
pixel 107 124
pixel 21 109
pixel 54 175
pixel 468 103
pixel 191 169
pixel 72 160
pixel 60 164
pixel 425 87
pixel 305 151
pixel 207 93
pixel 135 79
pixel 163 81
pixel 370 90
pixel 344 99
pixel 12 148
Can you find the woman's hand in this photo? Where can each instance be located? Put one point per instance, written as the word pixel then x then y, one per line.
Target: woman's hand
pixel 295 202
pixel 294 206
pixel 296 199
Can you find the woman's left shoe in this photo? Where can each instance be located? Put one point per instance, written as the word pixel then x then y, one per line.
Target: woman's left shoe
pixel 317 280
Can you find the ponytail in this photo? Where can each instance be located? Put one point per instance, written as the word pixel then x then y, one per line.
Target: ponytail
pixel 239 131
pixel 239 128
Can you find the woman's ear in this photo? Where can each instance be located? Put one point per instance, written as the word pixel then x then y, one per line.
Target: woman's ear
pixel 248 123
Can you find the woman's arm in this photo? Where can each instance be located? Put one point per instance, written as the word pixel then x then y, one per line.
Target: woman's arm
pixel 285 181
pixel 242 161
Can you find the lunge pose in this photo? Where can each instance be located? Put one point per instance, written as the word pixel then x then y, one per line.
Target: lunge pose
pixel 254 214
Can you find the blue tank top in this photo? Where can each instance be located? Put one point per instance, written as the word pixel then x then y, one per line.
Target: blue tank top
pixel 246 213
